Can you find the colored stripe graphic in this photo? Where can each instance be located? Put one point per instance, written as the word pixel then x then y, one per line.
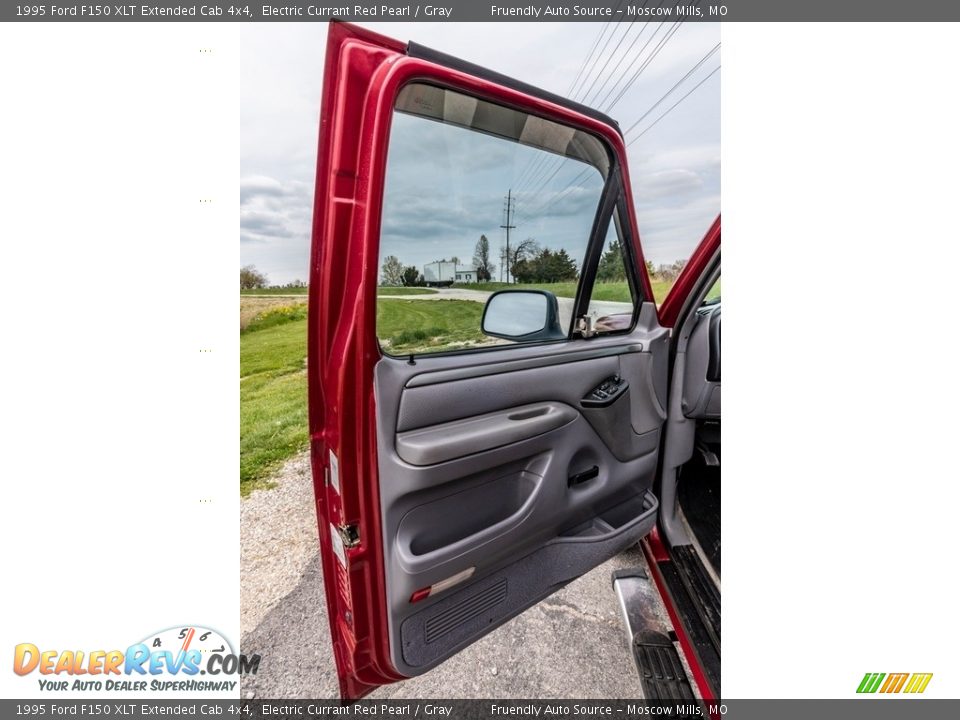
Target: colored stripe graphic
pixel 918 682
pixel 895 682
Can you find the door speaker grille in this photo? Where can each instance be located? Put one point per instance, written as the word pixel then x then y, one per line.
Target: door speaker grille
pixel 439 625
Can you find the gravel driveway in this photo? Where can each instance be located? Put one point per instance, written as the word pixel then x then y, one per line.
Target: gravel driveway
pixel 571 645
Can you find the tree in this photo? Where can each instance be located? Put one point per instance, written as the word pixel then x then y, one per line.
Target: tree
pixel 481 259
pixel 411 277
pixel 547 266
pixel 564 267
pixel 670 272
pixel 611 268
pixel 251 278
pixel 519 253
pixel 391 272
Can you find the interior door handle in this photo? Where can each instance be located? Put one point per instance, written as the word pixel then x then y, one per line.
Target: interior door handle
pixel 582 477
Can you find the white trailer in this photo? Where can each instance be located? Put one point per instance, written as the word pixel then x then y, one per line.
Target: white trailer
pixel 440 274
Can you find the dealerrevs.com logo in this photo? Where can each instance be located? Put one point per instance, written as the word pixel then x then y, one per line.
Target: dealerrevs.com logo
pixel 181 659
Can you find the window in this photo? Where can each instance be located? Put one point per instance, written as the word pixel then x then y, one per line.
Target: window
pixel 612 298
pixel 713 294
pixel 479 198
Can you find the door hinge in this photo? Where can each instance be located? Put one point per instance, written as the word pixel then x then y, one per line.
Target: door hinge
pixel 585 326
pixel 349 534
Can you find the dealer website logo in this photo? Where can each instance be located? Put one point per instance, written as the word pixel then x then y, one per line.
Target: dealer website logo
pixel 894 683
pixel 172 659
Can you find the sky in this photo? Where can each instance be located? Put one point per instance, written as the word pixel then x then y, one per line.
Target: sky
pixel 674 167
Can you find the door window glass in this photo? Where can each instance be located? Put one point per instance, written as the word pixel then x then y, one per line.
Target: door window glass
pixel 480 198
pixel 612 297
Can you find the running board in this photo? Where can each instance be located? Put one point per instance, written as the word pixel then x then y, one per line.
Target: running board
pixel 662 673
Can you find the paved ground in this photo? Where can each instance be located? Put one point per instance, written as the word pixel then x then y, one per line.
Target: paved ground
pixel 571 645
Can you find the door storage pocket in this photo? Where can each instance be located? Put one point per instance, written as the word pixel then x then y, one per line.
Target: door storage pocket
pixel 449 520
pixel 612 521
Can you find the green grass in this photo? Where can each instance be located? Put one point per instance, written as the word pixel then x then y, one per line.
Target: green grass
pixel 416 326
pixel 276 316
pixel 714 292
pixel 273 398
pixel 276 291
pixel 608 291
pixel 303 291
pixel 405 291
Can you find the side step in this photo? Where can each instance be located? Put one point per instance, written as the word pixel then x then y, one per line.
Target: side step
pixel 662 673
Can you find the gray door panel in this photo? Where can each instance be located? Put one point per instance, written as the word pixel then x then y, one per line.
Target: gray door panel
pixel 493 473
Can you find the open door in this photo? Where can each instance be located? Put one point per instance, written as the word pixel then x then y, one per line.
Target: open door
pixel 472 451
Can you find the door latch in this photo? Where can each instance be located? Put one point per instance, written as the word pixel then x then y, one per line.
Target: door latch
pixel 349 534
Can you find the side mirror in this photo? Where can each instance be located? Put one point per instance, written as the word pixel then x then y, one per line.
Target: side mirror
pixel 522 316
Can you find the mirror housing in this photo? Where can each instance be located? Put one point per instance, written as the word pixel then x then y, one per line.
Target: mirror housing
pixel 522 316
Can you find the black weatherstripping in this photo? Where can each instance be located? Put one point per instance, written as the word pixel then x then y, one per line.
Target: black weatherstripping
pixel 698 492
pixel 713 366
pixel 420 52
pixel 703 591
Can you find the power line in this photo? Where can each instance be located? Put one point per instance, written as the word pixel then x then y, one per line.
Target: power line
pixel 531 180
pixel 623 57
pixel 638 57
pixel 667 111
pixel 537 161
pixel 677 84
pixel 645 64
pixel 581 178
pixel 613 54
pixel 574 90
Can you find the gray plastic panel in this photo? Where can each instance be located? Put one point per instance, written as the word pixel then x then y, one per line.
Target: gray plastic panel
pixel 701 397
pixel 489 510
pixel 453 623
pixel 447 441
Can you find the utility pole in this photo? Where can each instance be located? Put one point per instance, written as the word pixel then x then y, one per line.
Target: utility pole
pixel 508 227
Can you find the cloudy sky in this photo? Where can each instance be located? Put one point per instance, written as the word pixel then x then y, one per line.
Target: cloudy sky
pixel 674 167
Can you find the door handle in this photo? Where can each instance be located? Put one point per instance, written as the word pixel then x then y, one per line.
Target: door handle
pixel 582 477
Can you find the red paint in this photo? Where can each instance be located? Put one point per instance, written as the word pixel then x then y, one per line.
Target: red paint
pixel 364 71
pixel 690 276
pixel 341 354
pixel 657 547
pixel 420 594
pixel 652 548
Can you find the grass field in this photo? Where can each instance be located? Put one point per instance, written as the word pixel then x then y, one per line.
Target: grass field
pixel 275 291
pixel 292 292
pixel 273 397
pixel 405 291
pixel 407 326
pixel 252 306
pixel 609 291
